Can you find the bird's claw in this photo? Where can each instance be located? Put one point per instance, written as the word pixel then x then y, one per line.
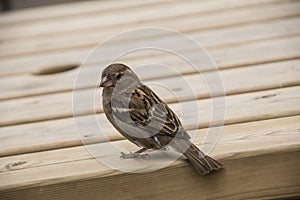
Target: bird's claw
pixel 145 156
pixel 134 155
pixel 166 148
pixel 129 155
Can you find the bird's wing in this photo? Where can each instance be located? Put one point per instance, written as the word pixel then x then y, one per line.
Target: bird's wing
pixel 147 111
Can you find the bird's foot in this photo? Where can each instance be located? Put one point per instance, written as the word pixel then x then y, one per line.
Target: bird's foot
pixel 134 155
pixel 165 148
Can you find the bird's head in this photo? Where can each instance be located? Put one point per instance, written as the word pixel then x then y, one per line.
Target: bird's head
pixel 114 73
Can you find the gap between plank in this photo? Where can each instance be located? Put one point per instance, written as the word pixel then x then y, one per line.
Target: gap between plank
pixel 210 47
pixel 86 113
pixel 257 64
pixel 166 19
pixel 119 137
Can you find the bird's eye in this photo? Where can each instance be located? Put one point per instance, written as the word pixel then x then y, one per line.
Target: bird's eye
pixel 118 76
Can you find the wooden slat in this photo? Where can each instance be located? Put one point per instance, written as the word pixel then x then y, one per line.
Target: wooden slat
pixel 256 47
pixel 260 131
pixel 33 109
pixel 148 17
pixel 236 56
pixel 212 38
pixel 60 11
pixel 62 102
pixel 77 39
pixel 28 85
pixel 239 108
pixel 273 50
pixel 259 185
pixel 212 21
pixel 258 142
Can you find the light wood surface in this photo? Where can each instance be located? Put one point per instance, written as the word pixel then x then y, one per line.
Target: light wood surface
pixel 242 33
pixel 145 15
pixel 239 108
pixel 28 85
pixel 46 154
pixel 35 109
pixel 76 56
pixel 67 11
pixel 93 37
pixel 267 151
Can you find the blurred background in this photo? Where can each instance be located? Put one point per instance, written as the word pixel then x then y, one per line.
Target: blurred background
pixel 7 5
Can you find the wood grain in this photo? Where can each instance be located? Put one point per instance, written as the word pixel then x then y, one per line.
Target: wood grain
pixel 210 39
pixel 251 125
pixel 271 50
pixel 29 84
pixel 257 142
pixel 45 13
pixel 91 38
pixel 163 14
pixel 258 132
pixel 35 108
pixel 239 108
pixel 254 184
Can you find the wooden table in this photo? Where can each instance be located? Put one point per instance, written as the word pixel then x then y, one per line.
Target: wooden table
pixel 256 47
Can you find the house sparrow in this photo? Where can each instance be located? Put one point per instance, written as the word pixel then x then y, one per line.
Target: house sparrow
pixel 146 120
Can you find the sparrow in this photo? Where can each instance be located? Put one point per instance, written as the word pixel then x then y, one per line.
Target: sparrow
pixel 145 119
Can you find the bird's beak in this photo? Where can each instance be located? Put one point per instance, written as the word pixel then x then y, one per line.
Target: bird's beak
pixel 105 82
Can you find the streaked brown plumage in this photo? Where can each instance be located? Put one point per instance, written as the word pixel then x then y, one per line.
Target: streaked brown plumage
pixel 146 120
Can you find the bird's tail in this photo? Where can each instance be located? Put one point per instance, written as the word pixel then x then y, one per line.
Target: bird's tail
pixel 201 162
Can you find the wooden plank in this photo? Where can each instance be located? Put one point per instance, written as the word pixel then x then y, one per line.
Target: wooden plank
pixel 148 17
pixel 36 45
pixel 257 142
pixel 32 109
pixel 236 56
pixel 272 50
pixel 211 21
pixel 260 131
pixel 28 85
pixel 260 152
pixel 266 172
pixel 237 133
pixel 17 111
pixel 239 108
pixel 212 38
pixel 69 10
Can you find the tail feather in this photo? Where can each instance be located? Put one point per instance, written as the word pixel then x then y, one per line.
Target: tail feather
pixel 201 162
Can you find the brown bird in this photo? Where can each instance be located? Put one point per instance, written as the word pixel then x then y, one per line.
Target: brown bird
pixel 146 120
